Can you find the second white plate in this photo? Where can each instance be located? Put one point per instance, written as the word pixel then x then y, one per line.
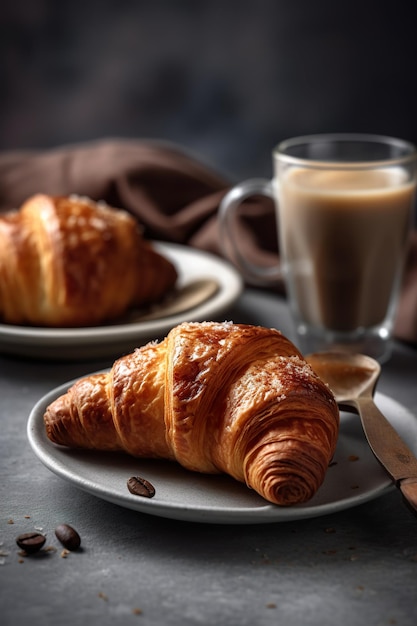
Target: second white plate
pixel 116 339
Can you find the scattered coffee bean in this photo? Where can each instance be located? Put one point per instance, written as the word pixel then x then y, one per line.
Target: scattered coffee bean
pixel 69 537
pixel 31 542
pixel 140 487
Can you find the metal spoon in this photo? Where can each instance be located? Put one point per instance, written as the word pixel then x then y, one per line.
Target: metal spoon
pixel 353 378
pixel 185 298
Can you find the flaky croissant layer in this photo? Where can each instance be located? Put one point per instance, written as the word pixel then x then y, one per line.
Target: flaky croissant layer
pixel 69 261
pixel 215 397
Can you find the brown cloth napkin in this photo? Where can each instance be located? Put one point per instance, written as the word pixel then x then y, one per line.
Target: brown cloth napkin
pixel 173 194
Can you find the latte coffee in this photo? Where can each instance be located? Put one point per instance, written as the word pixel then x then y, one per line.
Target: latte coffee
pixel 343 237
pixel 344 204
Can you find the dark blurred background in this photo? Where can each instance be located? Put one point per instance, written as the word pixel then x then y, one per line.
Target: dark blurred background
pixel 226 79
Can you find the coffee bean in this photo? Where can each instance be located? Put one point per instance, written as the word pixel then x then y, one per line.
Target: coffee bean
pixel 69 537
pixel 140 487
pixel 31 542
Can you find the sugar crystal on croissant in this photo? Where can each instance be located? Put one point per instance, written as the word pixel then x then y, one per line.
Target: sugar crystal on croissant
pixel 215 397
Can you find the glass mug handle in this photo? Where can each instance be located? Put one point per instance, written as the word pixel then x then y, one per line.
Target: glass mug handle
pixel 228 209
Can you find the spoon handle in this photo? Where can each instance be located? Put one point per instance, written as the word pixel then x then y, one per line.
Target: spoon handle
pixel 408 488
pixel 390 450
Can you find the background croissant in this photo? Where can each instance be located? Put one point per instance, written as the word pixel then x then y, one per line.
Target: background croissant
pixel 226 397
pixel 68 261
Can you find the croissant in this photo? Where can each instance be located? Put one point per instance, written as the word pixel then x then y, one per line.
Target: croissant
pixel 69 261
pixel 215 397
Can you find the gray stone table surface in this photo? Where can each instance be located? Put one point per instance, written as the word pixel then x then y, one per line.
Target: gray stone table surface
pixel 357 567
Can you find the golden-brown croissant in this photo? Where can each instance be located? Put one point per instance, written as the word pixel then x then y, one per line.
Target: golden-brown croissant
pixel 216 397
pixel 69 261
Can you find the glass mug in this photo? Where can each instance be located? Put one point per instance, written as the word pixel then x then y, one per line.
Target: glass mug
pixel 344 204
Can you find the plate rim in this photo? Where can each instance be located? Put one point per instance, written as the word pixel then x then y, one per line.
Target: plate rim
pixel 268 513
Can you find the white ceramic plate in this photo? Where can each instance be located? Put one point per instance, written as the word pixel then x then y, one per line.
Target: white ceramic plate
pixel 353 478
pixel 115 339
